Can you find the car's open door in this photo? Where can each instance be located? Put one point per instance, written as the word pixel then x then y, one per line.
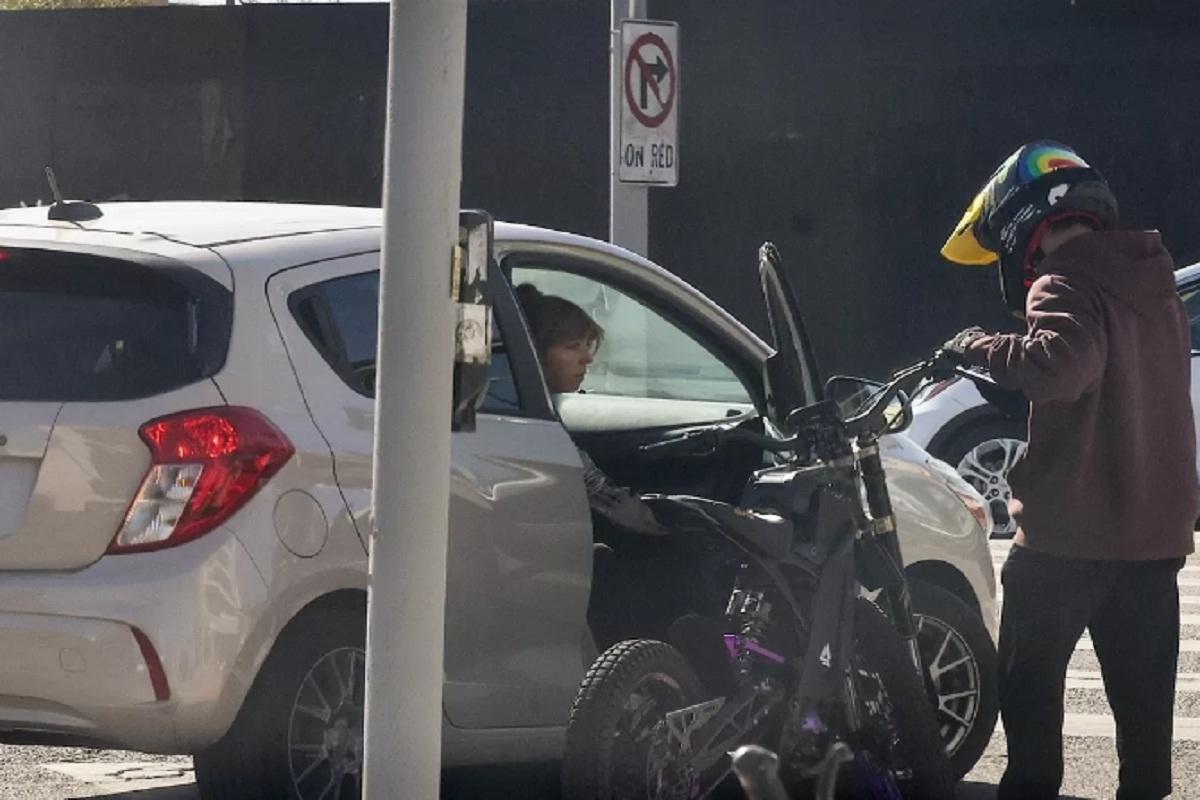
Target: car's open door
pixel 791 376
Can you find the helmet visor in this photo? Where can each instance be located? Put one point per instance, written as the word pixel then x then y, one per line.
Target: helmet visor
pixel 963 246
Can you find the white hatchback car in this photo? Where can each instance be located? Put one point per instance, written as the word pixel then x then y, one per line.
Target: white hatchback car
pixel 982 441
pixel 186 421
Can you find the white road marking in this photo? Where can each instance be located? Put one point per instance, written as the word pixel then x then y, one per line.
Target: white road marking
pixel 1187 570
pixel 1185 645
pixel 1002 547
pixel 1101 726
pixel 1184 600
pixel 1188 575
pixel 1185 682
pixel 1186 729
pixel 127 776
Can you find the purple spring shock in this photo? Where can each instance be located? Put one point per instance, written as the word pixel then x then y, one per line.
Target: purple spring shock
pixel 739 646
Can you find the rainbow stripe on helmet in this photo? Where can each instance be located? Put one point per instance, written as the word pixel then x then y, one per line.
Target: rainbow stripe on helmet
pixel 1040 160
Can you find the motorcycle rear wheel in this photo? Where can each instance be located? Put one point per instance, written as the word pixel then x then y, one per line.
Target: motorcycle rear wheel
pixel 615 744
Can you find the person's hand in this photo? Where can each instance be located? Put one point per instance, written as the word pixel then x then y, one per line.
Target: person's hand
pixel 956 346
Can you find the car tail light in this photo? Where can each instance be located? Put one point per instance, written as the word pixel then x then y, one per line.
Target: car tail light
pixel 205 465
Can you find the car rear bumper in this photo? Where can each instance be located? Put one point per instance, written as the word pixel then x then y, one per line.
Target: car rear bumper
pixel 71 663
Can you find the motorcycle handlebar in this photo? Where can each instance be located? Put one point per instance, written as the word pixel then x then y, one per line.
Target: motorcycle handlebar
pixel 871 421
pixel 706 440
pixel 978 378
pixel 939 367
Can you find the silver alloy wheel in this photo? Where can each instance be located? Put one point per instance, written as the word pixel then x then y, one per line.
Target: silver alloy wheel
pixel 325 729
pixel 954 674
pixel 985 467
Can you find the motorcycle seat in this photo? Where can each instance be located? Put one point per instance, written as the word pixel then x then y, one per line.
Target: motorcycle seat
pixel 767 533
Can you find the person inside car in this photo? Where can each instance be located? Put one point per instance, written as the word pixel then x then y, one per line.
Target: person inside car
pixel 566 339
pixel 646 575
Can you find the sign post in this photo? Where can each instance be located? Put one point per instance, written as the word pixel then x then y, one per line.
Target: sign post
pixel 644 82
pixel 649 151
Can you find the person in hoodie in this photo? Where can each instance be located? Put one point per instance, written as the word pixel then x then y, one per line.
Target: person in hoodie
pixel 1105 496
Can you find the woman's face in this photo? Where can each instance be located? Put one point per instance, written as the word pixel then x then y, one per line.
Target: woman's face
pixel 566 363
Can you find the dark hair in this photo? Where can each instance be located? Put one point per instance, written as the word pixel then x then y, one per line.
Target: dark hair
pixel 554 320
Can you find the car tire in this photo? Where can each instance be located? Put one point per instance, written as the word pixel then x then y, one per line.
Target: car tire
pixel 960 662
pixel 279 746
pixel 982 455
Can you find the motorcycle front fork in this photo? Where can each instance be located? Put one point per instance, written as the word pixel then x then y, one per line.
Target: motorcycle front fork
pixel 882 526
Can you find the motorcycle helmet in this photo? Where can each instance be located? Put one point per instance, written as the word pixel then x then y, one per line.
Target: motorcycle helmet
pixel 1041 184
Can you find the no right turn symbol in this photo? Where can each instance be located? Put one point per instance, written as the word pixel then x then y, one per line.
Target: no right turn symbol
pixel 650 80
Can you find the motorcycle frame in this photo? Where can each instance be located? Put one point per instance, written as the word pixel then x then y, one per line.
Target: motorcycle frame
pixel 832 559
pixel 852 547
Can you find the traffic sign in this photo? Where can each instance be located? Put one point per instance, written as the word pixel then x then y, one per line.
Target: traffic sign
pixel 649 148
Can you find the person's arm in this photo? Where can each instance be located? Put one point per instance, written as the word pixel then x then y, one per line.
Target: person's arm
pixel 617 504
pixel 1062 356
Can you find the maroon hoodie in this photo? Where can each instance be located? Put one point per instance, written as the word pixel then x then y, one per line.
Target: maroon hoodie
pixel 1110 471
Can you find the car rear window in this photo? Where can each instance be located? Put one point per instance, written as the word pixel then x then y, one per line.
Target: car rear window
pixel 78 326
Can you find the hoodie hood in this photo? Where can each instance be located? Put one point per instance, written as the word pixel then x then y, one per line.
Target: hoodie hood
pixel 1131 266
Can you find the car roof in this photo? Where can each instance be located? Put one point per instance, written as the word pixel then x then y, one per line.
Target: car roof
pixel 260 238
pixel 206 223
pixel 216 223
pixel 219 224
pixel 1187 274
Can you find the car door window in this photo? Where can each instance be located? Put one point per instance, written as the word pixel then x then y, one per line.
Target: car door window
pixel 1190 295
pixel 644 355
pixel 340 318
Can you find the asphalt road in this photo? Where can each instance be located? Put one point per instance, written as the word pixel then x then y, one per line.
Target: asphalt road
pixel 42 773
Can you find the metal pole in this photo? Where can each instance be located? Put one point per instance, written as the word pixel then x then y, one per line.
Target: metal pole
pixel 628 208
pixel 406 601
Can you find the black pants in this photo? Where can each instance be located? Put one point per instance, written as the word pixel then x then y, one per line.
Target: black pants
pixel 1131 609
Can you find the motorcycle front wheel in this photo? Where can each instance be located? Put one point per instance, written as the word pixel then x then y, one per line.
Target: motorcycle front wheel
pixel 617 746
pixel 898 750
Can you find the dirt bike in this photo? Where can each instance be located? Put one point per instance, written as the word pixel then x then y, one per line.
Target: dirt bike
pixel 803 662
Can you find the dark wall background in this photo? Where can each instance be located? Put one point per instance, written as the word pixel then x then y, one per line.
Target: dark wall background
pixel 855 134
pixel 851 133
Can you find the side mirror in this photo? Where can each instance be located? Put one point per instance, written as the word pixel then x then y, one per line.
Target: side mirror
pixel 472 264
pixel 852 396
pixel 850 393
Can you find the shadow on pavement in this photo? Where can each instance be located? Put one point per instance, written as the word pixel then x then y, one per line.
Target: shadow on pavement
pixel 970 790
pixel 497 783
pixel 464 783
pixel 164 793
pixel 501 783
